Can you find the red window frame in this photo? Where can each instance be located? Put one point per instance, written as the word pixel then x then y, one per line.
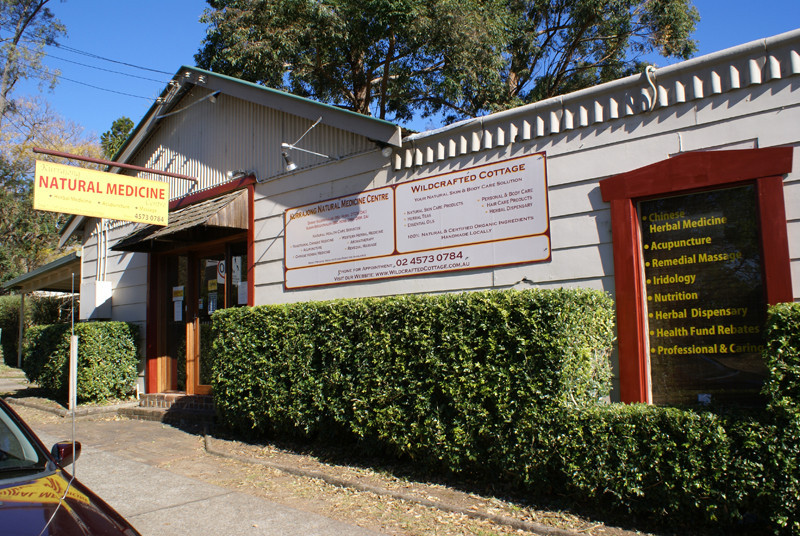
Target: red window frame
pixel 687 173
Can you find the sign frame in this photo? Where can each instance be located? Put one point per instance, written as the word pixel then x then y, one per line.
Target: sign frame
pixel 684 173
pixel 381 233
pixel 87 192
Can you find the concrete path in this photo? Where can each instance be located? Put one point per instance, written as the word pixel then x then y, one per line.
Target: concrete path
pixel 161 503
pixel 122 461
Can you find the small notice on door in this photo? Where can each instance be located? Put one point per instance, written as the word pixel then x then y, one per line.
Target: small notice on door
pixel 177 302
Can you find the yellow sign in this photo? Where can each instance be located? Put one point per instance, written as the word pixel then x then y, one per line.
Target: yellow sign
pixel 74 190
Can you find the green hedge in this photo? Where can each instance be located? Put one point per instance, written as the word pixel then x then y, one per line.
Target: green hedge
pixel 9 323
pixel 440 379
pixel 655 467
pixel 782 389
pixel 505 386
pixel 107 359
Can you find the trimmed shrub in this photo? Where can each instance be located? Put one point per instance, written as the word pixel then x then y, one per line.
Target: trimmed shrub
pixel 782 356
pixel 505 386
pixel 107 359
pixel 656 467
pixel 443 380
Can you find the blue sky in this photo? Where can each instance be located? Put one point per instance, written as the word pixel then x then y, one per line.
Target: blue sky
pixel 162 35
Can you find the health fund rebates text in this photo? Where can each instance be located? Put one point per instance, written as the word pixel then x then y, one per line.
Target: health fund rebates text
pixel 87 192
pixel 705 297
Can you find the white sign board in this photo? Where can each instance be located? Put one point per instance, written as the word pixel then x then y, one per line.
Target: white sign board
pixel 490 215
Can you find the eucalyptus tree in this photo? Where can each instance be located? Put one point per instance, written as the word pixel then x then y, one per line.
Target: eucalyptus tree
pixel 30 237
pixel 556 46
pixel 387 58
pixel 395 59
pixel 26 27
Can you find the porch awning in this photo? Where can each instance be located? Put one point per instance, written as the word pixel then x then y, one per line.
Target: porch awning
pixel 207 220
pixel 55 276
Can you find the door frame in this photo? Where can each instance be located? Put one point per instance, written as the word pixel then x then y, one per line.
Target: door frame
pixel 155 337
pixel 161 371
pixel 193 385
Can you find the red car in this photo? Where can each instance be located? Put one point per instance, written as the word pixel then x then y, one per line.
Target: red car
pixel 38 497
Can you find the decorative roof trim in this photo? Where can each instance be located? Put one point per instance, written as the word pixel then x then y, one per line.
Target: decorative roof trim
pixel 755 63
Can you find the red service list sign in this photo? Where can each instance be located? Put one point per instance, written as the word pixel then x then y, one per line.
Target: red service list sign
pixel 490 215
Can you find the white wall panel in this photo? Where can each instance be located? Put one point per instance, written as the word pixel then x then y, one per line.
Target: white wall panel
pixel 793 229
pixel 131 312
pixel 791 197
pixel 575 199
pixel 578 231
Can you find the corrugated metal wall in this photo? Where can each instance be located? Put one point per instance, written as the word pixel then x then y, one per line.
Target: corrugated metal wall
pixel 207 139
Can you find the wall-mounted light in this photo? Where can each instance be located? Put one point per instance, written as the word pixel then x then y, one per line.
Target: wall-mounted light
pixel 290 166
pixel 291 146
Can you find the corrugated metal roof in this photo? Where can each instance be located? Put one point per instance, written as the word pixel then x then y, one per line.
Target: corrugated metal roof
pixel 55 275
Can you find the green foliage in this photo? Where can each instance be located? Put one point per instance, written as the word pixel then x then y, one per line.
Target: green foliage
pixel 26 26
pixel 9 324
pixel 112 140
pixel 28 236
pixel 52 309
pixel 435 378
pixel 560 46
pixel 782 356
pixel 504 386
pixel 38 310
pixel 376 57
pixel 656 467
pixel 462 58
pixel 107 359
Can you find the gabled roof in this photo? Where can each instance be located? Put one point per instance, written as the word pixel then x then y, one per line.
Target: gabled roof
pixel 383 133
pixel 380 131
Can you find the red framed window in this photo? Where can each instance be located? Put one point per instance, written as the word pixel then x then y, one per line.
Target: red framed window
pixel 760 170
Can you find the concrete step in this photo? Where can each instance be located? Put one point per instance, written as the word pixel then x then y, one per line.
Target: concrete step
pixel 173 408
pixel 177 400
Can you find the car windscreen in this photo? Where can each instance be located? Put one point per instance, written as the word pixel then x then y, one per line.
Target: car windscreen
pixel 17 452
